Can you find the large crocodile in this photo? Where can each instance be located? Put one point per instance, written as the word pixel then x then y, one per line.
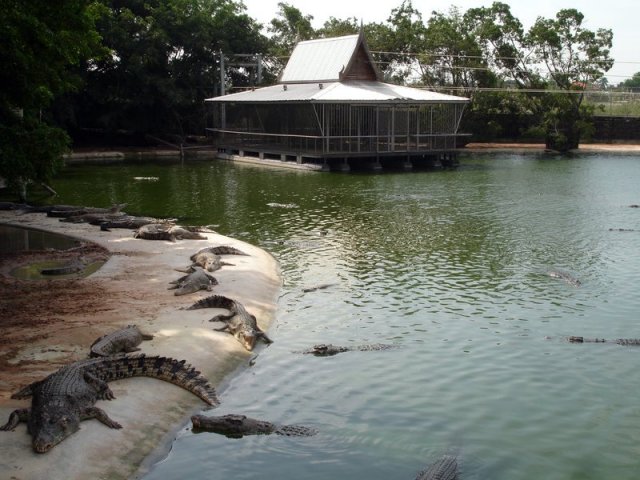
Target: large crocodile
pixel 237 426
pixel 62 400
pixel 327 350
pixel 168 231
pixel 239 323
pixel 193 282
pixel 568 278
pixel 124 340
pixel 209 257
pixel 127 221
pixel 445 468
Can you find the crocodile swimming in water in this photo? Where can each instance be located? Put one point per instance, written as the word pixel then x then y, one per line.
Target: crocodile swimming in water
pixel 445 468
pixel 168 231
pixel 65 398
pixel 74 266
pixel 327 350
pixel 627 342
pixel 124 340
pixel 209 257
pixel 239 323
pixel 237 426
pixel 571 280
pixel 193 282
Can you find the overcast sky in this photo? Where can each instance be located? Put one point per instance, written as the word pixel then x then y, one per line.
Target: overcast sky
pixel 621 16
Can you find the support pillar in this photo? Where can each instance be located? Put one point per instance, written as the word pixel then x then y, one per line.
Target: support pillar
pixel 344 166
pixel 407 165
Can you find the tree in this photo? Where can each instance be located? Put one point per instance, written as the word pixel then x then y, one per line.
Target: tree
pixel 289 27
pixel 558 54
pixel 453 56
pixel 337 28
pixel 633 82
pixel 41 42
pixel 163 63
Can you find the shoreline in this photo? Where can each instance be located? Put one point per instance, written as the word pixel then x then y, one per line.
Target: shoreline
pixel 117 155
pixel 130 288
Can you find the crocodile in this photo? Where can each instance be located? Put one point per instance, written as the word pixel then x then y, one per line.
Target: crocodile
pixel 209 257
pixel 239 323
pixel 193 282
pixel 571 280
pixel 168 231
pixel 627 342
pixel 445 468
pixel 124 340
pixel 327 350
pixel 237 426
pixel 74 266
pixel 62 400
pixel 69 212
pixel 132 222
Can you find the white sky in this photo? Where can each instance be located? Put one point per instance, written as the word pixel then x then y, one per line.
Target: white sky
pixel 621 16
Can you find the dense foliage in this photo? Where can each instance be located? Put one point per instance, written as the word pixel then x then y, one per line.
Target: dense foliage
pixel 41 42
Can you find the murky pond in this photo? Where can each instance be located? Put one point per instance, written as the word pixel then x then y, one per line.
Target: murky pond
pixel 451 267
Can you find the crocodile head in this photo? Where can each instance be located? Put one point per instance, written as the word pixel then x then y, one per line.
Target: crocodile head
pixel 51 424
pixel 247 338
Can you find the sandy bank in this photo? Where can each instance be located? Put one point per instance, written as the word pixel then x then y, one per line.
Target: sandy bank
pixel 63 317
pixel 524 148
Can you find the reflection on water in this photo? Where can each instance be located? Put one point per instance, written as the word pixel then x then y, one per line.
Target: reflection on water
pixel 452 267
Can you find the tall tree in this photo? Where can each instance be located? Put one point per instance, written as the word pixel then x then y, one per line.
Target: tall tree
pixel 41 42
pixel 558 54
pixel 289 27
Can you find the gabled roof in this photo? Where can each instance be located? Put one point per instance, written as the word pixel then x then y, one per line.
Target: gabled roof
pixel 331 60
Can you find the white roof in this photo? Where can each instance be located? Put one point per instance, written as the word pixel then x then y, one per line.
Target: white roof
pixel 319 60
pixel 334 92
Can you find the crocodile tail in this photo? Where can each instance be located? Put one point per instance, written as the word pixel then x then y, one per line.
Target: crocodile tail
pixel 628 341
pixel 213 301
pixel 163 368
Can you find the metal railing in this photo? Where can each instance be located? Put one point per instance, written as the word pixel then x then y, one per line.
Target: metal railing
pixel 334 145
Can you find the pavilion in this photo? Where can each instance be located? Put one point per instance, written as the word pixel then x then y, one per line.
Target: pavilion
pixel 330 107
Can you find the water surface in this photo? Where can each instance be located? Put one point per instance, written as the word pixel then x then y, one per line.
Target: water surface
pixel 450 266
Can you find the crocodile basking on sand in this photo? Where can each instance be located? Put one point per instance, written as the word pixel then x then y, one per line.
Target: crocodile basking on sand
pixel 193 282
pixel 169 231
pixel 445 468
pixel 237 426
pixel 62 400
pixel 327 350
pixel 239 323
pixel 209 257
pixel 125 340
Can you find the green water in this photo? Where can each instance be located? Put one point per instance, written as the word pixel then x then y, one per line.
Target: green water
pixel 451 267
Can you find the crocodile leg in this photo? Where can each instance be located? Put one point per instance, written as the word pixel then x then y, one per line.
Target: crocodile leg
pixel 99 414
pixel 17 416
pixel 101 387
pixel 223 329
pixel 26 391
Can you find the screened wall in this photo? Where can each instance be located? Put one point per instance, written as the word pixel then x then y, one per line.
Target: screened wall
pixel 337 129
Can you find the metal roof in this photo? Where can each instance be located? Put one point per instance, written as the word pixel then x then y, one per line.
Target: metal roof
pixel 336 92
pixel 320 60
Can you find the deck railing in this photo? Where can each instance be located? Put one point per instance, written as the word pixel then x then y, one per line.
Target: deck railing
pixel 327 146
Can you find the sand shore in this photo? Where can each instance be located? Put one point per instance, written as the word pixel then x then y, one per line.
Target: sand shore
pixel 49 323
